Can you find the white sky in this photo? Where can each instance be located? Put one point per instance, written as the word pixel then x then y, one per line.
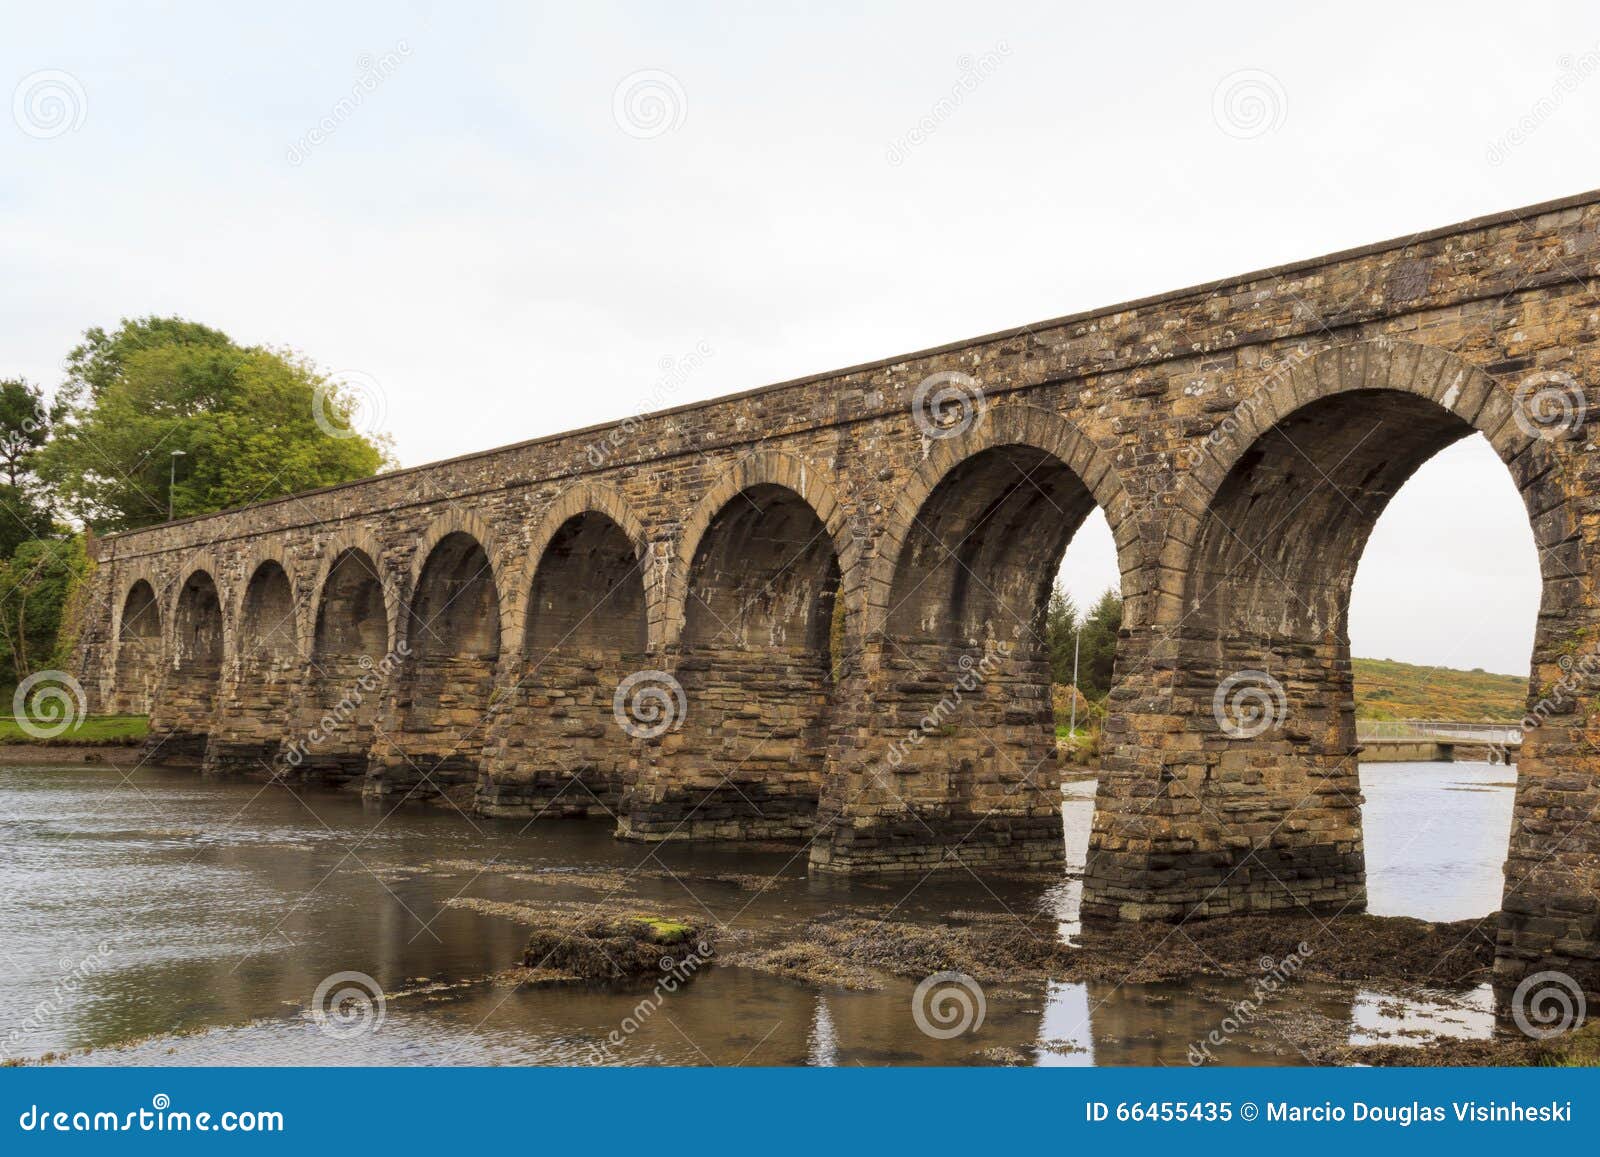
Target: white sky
pixel 483 240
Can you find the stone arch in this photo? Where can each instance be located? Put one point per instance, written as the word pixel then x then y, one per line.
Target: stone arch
pixel 580 499
pixel 1455 388
pixel 453 632
pixel 266 612
pixel 172 591
pixel 363 546
pixel 554 748
pixel 1253 802
pixel 1033 440
pixel 460 523
pixel 185 706
pixel 751 607
pixel 137 649
pixel 959 741
pixel 350 667
pixel 762 468
pixel 263 670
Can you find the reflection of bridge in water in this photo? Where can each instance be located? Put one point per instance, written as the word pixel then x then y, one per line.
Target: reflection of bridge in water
pixel 1419 740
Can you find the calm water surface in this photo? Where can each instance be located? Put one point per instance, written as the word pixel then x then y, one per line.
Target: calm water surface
pixel 165 919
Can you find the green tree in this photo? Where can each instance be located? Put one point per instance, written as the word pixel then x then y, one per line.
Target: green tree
pixel 24 427
pixel 99 361
pixel 1060 625
pixel 36 584
pixel 246 421
pixel 1099 645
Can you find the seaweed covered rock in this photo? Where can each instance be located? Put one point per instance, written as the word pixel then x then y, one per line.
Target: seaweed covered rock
pixel 614 947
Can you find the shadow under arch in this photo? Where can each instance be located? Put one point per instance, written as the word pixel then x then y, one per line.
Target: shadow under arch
pixel 1254 803
pixel 139 650
pixel 954 761
pixel 554 749
pixel 348 674
pixel 186 700
pixel 261 675
pixel 754 610
pixel 452 639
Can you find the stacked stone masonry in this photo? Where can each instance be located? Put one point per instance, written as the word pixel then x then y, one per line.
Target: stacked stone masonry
pixel 836 589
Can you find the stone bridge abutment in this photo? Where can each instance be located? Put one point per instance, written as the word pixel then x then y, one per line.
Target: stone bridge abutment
pixel 816 611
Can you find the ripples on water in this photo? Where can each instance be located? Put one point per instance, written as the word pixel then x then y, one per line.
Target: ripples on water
pixel 195 919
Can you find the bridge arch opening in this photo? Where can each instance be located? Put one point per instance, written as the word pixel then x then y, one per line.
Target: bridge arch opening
pixel 1262 656
pixel 756 667
pixel 249 729
pixel 185 709
pixel 138 650
pixel 555 750
pixel 349 674
pixel 971 748
pixel 453 634
pixel 1440 671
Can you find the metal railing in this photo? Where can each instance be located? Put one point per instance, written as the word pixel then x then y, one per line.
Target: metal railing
pixel 1498 733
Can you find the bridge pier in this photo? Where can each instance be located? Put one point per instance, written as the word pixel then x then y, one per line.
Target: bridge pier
pixel 749 759
pixel 955 767
pixel 553 750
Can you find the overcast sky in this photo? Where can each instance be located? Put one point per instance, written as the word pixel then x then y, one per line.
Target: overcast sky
pixel 508 240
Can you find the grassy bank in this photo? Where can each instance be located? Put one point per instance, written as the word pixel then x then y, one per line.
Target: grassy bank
pixel 90 731
pixel 1386 689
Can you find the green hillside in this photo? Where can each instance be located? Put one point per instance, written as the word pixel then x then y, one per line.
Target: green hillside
pixel 1389 690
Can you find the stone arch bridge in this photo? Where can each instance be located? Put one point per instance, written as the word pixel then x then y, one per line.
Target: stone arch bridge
pixel 814 610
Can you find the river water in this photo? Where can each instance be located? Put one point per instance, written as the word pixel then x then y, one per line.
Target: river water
pixel 154 917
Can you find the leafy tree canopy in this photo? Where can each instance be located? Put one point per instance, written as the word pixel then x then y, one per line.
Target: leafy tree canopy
pixel 245 420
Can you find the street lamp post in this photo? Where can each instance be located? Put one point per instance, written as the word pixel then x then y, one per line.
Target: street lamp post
pixel 172 480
